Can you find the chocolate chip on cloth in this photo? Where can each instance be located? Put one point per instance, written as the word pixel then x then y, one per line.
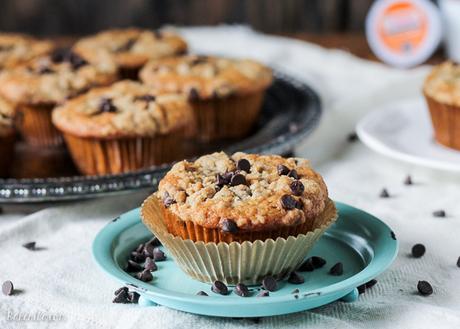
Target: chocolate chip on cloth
pixel 30 245
pixel 418 250
pixel 424 288
pixel 7 288
pixel 219 288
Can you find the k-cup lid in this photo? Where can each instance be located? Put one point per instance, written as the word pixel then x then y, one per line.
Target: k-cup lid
pixel 403 33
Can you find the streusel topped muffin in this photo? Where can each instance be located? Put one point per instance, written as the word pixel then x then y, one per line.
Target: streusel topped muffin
pixel 443 83
pixel 18 48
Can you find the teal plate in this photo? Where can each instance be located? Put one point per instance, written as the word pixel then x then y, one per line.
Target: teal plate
pixel 364 244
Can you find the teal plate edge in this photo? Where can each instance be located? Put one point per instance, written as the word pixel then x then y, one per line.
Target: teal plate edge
pixel 383 248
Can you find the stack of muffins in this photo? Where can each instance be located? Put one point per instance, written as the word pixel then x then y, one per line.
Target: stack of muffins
pixel 123 100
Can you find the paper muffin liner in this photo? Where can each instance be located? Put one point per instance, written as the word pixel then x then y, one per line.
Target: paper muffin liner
pixel 229 117
pixel 247 262
pixel 446 122
pixel 94 156
pixel 7 139
pixel 34 124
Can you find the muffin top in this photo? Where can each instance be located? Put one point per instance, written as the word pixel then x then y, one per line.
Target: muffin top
pixel 204 77
pixel 132 47
pixel 6 116
pixel 17 48
pixel 255 192
pixel 54 78
pixel 443 83
pixel 125 109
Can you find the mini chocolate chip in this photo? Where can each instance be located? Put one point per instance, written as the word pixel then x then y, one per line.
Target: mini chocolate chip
pixel 371 283
pixel 59 55
pixel 133 297
pixel 219 288
pixel 201 293
pixel 145 98
pixel 145 276
pixel 30 245
pixel 229 226
pixel 418 250
pixel 408 180
pixel 384 193
pixel 158 255
pixel 362 289
pixel 133 267
pixel 121 298
pixel 76 61
pixel 106 105
pixel 458 262
pixel 153 242
pixel 318 262
pixel 296 296
pixel 352 137
pixel 237 179
pixel 269 283
pixel 293 174
pixel 337 269
pixel 137 256
pixel 393 235
pixel 168 200
pixel 150 264
pixel 7 288
pixel 295 291
pixel 242 290
pixel 439 213
pixel 288 202
pixel 120 290
pixel 307 266
pixel 295 278
pixel 193 94
pixel 243 164
pixel 282 169
pixel 148 250
pixel 263 293
pixel 221 180
pixel 424 288
pixel 139 248
pixel 297 187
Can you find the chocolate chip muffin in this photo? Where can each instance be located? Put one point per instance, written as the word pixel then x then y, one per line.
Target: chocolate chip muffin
pixel 226 94
pixel 131 48
pixel 123 127
pixel 17 49
pixel 243 197
pixel 7 137
pixel 37 87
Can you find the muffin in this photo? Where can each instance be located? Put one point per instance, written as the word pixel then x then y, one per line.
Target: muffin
pixel 226 94
pixel 43 83
pixel 239 218
pixel 131 48
pixel 17 49
pixel 442 93
pixel 7 137
pixel 123 127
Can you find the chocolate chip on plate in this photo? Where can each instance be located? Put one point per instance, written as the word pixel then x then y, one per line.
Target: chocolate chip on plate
pixel 153 242
pixel 120 290
pixel 148 250
pixel 269 283
pixel 337 269
pixel 7 288
pixel 139 248
pixel 168 200
pixel 263 293
pixel 133 267
pixel 384 193
pixel 371 283
pixel 297 187
pixel 418 250
pixel 439 213
pixel 295 291
pixel 408 180
pixel 137 256
pixel 150 264
pixel 237 179
pixel 229 226
pixel 318 262
pixel 121 297
pixel 145 276
pixel 282 169
pixel 243 164
pixel 424 288
pixel 293 174
pixel 219 288
pixel 306 266
pixel 158 255
pixel 133 297
pixel 295 278
pixel 30 245
pixel 242 290
pixel 288 202
pixel 393 235
pixel 201 293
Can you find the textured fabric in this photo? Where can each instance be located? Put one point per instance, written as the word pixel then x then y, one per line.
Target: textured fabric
pixel 63 280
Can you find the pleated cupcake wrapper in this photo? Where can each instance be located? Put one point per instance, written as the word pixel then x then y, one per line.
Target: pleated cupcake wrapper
pixel 232 263
pixel 229 117
pixel 446 122
pixel 95 156
pixel 34 124
pixel 7 140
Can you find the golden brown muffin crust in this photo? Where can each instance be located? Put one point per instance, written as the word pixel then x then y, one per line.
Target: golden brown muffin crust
pixel 443 83
pixel 273 193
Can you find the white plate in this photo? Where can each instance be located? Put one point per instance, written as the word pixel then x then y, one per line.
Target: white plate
pixel 403 131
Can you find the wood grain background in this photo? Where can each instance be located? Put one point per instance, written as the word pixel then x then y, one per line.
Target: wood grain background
pixel 76 17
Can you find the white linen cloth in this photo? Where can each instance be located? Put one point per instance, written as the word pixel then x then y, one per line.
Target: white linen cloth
pixel 63 280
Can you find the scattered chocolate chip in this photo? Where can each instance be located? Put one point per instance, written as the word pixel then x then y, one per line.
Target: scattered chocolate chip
pixel 7 288
pixel 282 170
pixel 243 164
pixel 337 269
pixel 168 200
pixel 150 264
pixel 153 242
pixel 296 296
pixel 106 105
pixel 145 98
pixel 408 180
pixel 297 187
pixel 148 250
pixel 307 266
pixel 393 235
pixel 295 291
pixel 293 174
pixel 242 290
pixel 121 297
pixel 371 283
pixel 30 245
pixel 158 255
pixel 288 202
pixel 137 257
pixel 237 179
pixel 229 226
pixel 269 283
pixel 352 137
pixel 362 289
pixel 384 193
pixel 145 276
pixel 418 250
pixel 263 293
pixel 219 288
pixel 193 94
pixel 201 293
pixel 439 213
pixel 221 180
pixel 318 262
pixel 295 278
pixel 133 267
pixel 424 288
pixel 133 297
pixel 120 290
pixel 140 248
